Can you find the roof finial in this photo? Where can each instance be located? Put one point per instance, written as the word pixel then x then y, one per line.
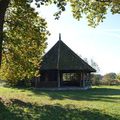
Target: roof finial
pixel 59 36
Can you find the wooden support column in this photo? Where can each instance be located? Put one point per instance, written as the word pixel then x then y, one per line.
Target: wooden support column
pixel 86 79
pixel 79 77
pixel 58 78
pixel 58 61
pixel 83 79
pixel 89 79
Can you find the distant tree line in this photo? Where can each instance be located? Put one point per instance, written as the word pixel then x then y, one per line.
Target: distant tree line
pixel 107 79
pixel 98 79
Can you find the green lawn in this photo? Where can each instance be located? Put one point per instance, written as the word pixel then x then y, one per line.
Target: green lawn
pixel 98 103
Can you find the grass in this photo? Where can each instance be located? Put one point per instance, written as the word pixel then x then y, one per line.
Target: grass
pixel 98 103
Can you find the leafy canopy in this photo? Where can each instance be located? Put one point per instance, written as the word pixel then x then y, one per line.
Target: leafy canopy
pixel 25 35
pixel 94 10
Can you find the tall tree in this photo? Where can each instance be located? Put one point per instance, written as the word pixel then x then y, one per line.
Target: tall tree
pixel 24 42
pixel 109 79
pixel 94 65
pixel 96 79
pixel 3 7
pixel 95 10
pixel 118 76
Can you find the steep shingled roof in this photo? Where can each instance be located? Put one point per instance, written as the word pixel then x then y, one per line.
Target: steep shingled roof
pixel 61 57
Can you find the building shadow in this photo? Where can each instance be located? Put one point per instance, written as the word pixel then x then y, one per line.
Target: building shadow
pixel 97 94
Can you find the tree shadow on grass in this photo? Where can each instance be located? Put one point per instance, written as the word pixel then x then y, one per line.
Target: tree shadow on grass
pixel 28 111
pixel 94 94
pixel 69 112
pixel 5 113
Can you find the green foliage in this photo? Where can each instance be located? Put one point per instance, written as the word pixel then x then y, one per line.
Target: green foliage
pixel 21 19
pixel 99 103
pixel 118 76
pixel 107 79
pixel 94 10
pixel 25 35
pixel 110 79
pixel 96 79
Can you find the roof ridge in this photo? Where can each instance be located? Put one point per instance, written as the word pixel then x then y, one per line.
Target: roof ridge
pixel 62 57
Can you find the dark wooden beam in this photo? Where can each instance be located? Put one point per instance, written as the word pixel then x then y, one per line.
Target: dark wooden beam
pixel 58 78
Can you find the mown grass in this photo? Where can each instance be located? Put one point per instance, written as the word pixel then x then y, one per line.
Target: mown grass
pixel 98 103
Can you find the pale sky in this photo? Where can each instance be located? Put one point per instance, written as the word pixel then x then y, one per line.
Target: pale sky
pixel 102 43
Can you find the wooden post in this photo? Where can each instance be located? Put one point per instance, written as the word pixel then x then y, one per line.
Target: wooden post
pixel 83 80
pixel 58 78
pixel 89 79
pixel 58 61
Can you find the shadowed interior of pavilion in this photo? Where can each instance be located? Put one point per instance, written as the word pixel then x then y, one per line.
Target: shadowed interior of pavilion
pixel 61 67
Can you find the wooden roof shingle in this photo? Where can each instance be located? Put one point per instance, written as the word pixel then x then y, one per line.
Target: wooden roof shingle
pixel 61 57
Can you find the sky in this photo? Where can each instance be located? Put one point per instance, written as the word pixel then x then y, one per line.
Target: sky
pixel 102 44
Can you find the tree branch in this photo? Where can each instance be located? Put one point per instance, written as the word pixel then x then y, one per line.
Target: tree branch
pixel 3 6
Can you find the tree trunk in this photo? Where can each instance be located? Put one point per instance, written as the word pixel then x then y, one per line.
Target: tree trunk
pixel 3 7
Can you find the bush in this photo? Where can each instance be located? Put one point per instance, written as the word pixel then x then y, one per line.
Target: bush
pixel 110 79
pixel 95 79
pixel 110 82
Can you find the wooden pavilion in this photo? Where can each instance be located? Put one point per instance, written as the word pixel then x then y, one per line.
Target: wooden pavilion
pixel 61 67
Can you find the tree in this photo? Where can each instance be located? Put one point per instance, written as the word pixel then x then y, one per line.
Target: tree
pixel 96 79
pixel 95 10
pixel 118 76
pixel 92 63
pixel 109 79
pixel 24 43
pixel 3 7
pixel 118 79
